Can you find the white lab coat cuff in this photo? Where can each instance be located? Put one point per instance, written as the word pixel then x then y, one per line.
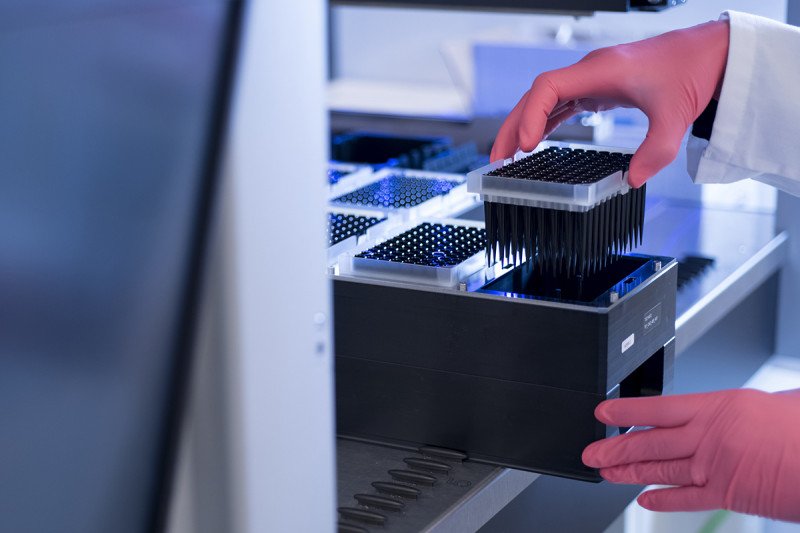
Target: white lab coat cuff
pixel 703 167
pixel 708 170
pixel 736 86
pixel 755 128
pixel 707 161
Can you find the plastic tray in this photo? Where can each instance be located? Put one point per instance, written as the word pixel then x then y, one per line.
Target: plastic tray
pixel 460 252
pixel 342 176
pixel 372 229
pixel 406 194
pixel 564 196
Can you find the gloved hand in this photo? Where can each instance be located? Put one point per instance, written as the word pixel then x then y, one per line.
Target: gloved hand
pixel 671 78
pixel 736 449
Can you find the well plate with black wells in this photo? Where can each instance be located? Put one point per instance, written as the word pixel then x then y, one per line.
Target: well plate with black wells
pixel 435 253
pixel 398 191
pixel 565 165
pixel 342 226
pixel 567 209
pixel 430 244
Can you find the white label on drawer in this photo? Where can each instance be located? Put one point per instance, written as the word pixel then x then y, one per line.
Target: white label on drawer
pixel 627 343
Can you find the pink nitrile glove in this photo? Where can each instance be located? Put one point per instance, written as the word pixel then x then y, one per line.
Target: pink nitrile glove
pixel 736 449
pixel 671 78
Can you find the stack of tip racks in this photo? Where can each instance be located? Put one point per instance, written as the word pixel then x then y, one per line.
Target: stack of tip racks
pixel 566 207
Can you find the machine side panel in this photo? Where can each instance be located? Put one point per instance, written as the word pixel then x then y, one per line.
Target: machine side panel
pixel 518 425
pixel 502 339
pixel 639 327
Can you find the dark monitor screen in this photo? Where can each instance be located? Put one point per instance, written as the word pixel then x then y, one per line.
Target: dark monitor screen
pixel 110 122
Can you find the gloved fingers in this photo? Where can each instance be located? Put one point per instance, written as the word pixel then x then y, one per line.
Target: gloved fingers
pixel 506 142
pixel 565 111
pixel 679 499
pixel 556 119
pixel 584 79
pixel 674 472
pixel 659 149
pixel 596 105
pixel 541 101
pixel 658 444
pixel 562 106
pixel 658 411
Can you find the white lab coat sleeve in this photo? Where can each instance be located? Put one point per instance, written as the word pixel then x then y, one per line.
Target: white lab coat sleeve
pixel 756 131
